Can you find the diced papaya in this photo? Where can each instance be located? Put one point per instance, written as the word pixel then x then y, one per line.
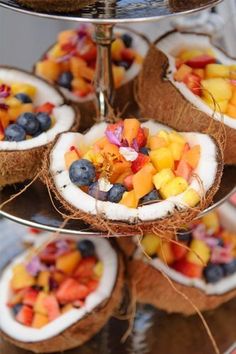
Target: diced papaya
pixel 131 127
pixel 118 169
pixel 182 72
pixel 48 69
pixel 142 181
pixel 39 304
pixel 162 158
pixel 43 280
pixel 155 142
pixel 87 73
pixel 100 143
pixel 4 118
pixel 80 87
pixel 77 65
pixel 192 156
pixel 39 320
pixel 123 176
pixel 129 199
pixel 128 182
pixel 231 110
pixel 56 51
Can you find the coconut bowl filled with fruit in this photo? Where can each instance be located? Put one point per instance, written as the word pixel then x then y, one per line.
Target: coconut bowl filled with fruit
pixel 32 114
pixel 70 64
pixel 60 294
pixel 193 82
pixel 201 265
pixel 129 177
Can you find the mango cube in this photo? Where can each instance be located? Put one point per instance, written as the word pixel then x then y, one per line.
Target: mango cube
pixel 183 71
pixel 191 197
pixel 70 157
pixel 233 98
pixel 43 280
pixel 217 70
pixel 118 75
pixel 142 181
pixel 48 69
pixel 176 150
pixel 150 244
pixel 39 304
pixel 217 88
pixel 211 221
pixel 156 142
pixel 162 158
pixel 98 269
pixel 39 320
pixel 165 252
pixel 68 262
pixel 231 110
pixel 163 177
pixel 174 187
pixel 21 278
pixel 117 48
pixel 129 199
pixel 198 248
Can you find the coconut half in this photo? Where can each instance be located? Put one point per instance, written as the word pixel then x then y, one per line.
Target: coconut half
pixel 124 95
pixel 76 326
pixel 20 161
pixel 171 102
pixel 104 215
pixel 205 296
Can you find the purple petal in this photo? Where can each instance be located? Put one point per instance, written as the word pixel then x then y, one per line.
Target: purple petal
pixel 65 57
pixel 35 266
pixel 112 138
pixel 135 145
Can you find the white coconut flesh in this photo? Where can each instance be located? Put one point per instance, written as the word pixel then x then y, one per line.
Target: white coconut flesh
pixel 140 45
pixel 206 172
pixel 226 284
pixel 105 253
pixel 171 45
pixel 64 115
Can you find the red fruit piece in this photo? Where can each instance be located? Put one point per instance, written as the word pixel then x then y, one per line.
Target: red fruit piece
pixel 48 255
pixel 70 290
pixel 92 285
pixel 113 127
pixel 194 83
pixel 183 169
pixel 85 268
pixel 178 250
pixel 139 162
pixel 25 315
pixel 141 138
pixel 46 108
pixel 51 305
pixel 30 297
pixel 128 182
pixel 32 230
pixel 128 54
pixel 1 131
pixel 201 61
pixel 191 270
pixel 88 51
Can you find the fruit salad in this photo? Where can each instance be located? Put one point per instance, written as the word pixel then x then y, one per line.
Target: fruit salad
pixel 208 78
pixel 54 281
pixel 20 118
pixel 71 62
pixel 132 167
pixel 210 254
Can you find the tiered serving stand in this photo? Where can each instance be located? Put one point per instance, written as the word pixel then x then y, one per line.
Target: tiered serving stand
pixel 33 207
pixel 154 332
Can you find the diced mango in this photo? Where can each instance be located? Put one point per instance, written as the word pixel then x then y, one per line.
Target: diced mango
pixel 21 278
pixel 120 169
pixel 216 70
pixel 217 88
pixel 118 75
pixel 142 181
pixel 80 86
pixel 56 51
pixel 98 269
pixel 68 262
pixel 162 158
pixel 117 48
pixel 211 221
pixel 39 304
pixel 200 73
pixel 233 98
pixel 77 65
pixel 191 197
pixel 39 320
pixel 65 36
pixel 48 69
pixel 231 110
pixel 182 72
pixel 165 252
pixel 13 102
pixel 174 187
pixel 130 131
pixel 150 244
pixel 163 177
pixel 176 150
pixel 129 199
pixel 198 248
pixel 43 280
pixel 70 157
pixel 156 142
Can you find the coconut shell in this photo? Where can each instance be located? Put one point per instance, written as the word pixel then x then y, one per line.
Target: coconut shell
pixel 154 289
pixel 55 5
pixel 83 330
pixel 160 99
pixel 117 228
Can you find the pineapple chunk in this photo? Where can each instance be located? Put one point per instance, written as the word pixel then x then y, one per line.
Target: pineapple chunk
pixel 217 70
pixel 163 177
pixel 216 88
pixel 191 198
pixel 163 134
pixel 211 221
pixel 150 244
pixel 174 187
pixel 162 158
pixel 198 247
pixel 175 137
pixel 176 150
pixel 190 54
pixel 220 106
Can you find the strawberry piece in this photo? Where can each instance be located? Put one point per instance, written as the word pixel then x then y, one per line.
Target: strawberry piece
pixel 32 230
pixel 183 170
pixel 70 290
pixel 46 108
pixel 89 52
pixel 193 82
pixel 128 182
pixel 30 297
pixel 139 162
pixel 52 307
pixel 128 54
pixel 178 250
pixel 141 138
pixel 201 61
pixel 92 285
pixel 112 127
pixel 85 268
pixel 48 255
pixel 191 270
pixel 25 315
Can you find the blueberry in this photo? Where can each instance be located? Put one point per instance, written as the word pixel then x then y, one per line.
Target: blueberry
pixel 82 172
pixel 86 248
pixel 153 195
pixel 213 273
pixel 44 121
pixel 124 64
pixel 28 122
pixel 16 309
pixel 127 39
pixel 14 132
pixel 144 151
pixel 65 80
pixel 96 193
pixel 184 235
pixel 229 268
pixel 116 192
pixel 23 97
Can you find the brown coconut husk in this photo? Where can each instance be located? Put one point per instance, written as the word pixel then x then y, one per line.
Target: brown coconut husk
pixel 160 99
pixel 124 103
pixel 55 5
pixel 117 228
pixel 153 288
pixel 83 330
